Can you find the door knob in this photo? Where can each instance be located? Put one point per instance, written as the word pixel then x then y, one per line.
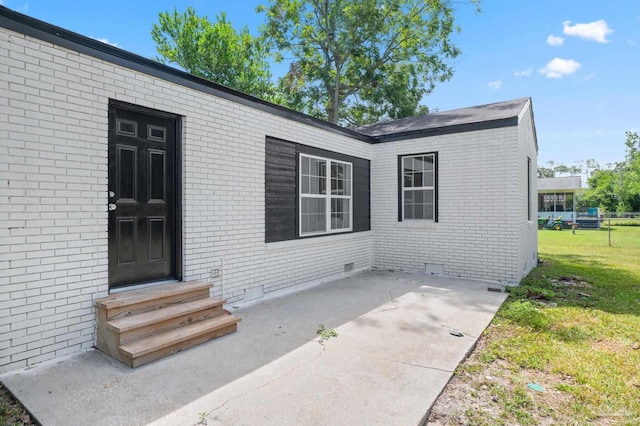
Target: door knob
pixel 112 207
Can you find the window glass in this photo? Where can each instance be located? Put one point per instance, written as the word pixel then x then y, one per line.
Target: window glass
pixel 418 192
pixel 324 210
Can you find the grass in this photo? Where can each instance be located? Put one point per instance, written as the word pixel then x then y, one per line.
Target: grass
pixel 573 326
pixel 11 412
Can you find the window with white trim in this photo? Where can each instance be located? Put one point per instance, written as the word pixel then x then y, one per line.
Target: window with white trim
pixel 419 187
pixel 326 204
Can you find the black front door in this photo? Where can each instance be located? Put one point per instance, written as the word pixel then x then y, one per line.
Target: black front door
pixel 142 196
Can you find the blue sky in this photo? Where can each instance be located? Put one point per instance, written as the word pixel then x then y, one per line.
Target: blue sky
pixel 578 59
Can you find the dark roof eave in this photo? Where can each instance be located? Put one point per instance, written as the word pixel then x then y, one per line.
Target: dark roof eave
pixel 44 31
pixel 445 130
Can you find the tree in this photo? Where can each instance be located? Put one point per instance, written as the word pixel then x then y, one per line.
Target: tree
pixel 617 187
pixel 553 169
pixel 215 51
pixel 361 61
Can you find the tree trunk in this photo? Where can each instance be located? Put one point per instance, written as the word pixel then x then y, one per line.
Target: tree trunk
pixel 335 99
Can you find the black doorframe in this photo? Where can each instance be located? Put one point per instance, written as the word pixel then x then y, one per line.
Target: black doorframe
pixel 177 184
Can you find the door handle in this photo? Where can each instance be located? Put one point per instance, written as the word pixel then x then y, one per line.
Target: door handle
pixel 112 207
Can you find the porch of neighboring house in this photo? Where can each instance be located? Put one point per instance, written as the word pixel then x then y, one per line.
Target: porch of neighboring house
pixel 557 197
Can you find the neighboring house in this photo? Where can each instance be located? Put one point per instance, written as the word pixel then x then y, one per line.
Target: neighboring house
pixel 117 171
pixel 557 197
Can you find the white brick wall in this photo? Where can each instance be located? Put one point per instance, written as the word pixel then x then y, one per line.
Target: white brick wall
pixel 481 206
pixel 528 231
pixel 53 192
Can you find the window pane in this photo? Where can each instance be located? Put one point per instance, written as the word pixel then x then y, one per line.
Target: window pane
pixel 418 204
pixel 408 180
pixel 427 179
pixel 428 196
pixel 322 168
pixel 313 167
pixel 305 185
pixel 313 185
pixel 428 211
pixel 313 215
pixel 407 165
pixel 408 210
pixel 417 164
pixel 417 179
pixel 340 213
pixel 305 166
pixel 428 162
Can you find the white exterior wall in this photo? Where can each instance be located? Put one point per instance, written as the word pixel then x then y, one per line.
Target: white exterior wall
pixel 528 230
pixel 479 207
pixel 53 193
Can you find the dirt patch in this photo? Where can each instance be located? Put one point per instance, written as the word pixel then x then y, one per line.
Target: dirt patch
pixel 496 393
pixel 570 282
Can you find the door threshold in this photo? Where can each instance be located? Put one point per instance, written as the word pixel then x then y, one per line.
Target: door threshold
pixel 141 286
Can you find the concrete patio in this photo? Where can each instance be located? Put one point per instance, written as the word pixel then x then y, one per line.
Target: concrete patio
pixel 393 355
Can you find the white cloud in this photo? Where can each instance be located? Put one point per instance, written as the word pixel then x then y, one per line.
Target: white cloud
pixel 495 85
pixel 105 40
pixel 523 73
pixel 631 42
pixel 558 68
pixel 554 41
pixel 595 31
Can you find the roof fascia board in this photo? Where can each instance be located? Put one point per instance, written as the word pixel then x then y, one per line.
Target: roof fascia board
pixel 32 27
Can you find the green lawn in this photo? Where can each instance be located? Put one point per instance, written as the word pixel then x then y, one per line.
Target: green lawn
pixel 579 339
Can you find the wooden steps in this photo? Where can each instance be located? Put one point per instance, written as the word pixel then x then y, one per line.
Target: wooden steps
pixel 140 326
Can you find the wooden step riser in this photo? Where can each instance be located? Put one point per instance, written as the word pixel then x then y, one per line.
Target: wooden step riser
pixel 158 303
pixel 169 324
pixel 177 347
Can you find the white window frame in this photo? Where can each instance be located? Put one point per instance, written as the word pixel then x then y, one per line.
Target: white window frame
pixel 327 196
pixel 419 188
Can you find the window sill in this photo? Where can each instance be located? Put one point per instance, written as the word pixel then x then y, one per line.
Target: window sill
pixel 416 223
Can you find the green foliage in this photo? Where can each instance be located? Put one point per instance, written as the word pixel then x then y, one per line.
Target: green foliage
pixel 617 188
pixel 215 51
pixel 361 61
pixel 326 334
pixel 524 313
pixel 554 169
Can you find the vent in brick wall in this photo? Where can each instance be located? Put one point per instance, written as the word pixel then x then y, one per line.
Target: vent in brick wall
pixel 433 269
pixel 254 293
pixel 348 267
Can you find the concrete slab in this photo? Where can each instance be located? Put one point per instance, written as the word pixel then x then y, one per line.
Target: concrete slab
pixel 392 357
